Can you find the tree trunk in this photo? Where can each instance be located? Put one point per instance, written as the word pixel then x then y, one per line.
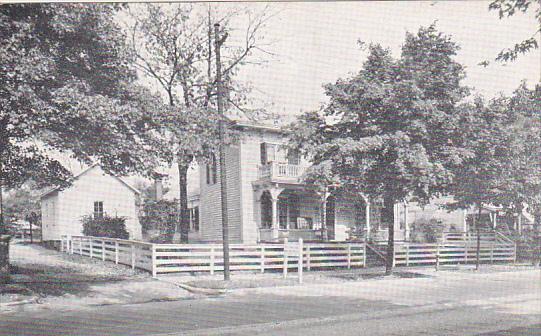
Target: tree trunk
pixel 184 216
pixel 388 205
pixel 2 225
pixel 478 249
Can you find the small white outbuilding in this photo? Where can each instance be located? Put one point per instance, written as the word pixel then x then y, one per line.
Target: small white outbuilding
pixel 92 192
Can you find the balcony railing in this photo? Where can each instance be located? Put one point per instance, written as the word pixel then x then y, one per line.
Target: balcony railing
pixel 275 170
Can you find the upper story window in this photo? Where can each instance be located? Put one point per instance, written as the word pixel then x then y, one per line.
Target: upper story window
pixel 212 170
pixel 268 152
pixel 293 157
pixel 98 209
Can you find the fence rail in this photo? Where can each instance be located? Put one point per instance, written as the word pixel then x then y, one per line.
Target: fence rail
pixel 174 258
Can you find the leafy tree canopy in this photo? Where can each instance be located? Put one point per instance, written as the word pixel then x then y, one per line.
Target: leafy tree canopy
pixel 64 74
pixel 391 130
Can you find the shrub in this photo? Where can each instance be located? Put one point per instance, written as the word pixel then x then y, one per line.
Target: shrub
pixel 427 231
pixel 110 227
pixel 161 216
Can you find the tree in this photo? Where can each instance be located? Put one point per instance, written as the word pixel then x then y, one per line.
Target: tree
pixel 64 74
pixel 173 45
pixel 390 131
pixel 508 8
pixel 504 136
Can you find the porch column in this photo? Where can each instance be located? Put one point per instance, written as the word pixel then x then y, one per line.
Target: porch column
pixel 406 225
pixel 368 229
pixel 324 195
pixel 275 192
pixel 367 216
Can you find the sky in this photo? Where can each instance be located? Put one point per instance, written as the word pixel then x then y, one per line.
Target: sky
pixel 317 44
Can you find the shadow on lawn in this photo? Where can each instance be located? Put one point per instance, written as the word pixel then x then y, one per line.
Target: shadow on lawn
pixel 55 281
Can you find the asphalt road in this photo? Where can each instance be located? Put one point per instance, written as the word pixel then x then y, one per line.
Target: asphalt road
pixel 499 305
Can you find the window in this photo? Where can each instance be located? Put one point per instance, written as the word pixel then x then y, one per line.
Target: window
pixel 293 157
pixel 98 209
pixel 194 218
pixel 268 153
pixel 212 170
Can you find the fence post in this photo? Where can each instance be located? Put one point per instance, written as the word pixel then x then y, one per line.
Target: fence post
pixel 154 266
pixel 466 252
pixel 492 252
pixel 116 252
pixel 91 242
pixel 364 254
pixel 285 259
pixel 103 250
pixel 515 254
pixel 301 251
pixel 81 246
pixel 437 256
pixel 349 255
pixel 132 256
pixel 212 260
pixel 308 253
pixel 407 254
pixel 262 259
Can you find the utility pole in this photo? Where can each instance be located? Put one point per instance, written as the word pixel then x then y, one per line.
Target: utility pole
pixel 223 182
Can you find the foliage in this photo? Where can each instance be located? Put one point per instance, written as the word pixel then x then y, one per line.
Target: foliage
pixel 65 71
pixel 508 8
pixel 160 215
pixel 23 204
pixel 172 44
pixel 391 130
pixel 505 137
pixel 106 226
pixel 427 231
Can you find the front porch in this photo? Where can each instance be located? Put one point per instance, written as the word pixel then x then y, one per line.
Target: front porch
pixel 296 211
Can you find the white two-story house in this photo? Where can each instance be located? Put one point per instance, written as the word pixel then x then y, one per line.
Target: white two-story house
pixel 267 200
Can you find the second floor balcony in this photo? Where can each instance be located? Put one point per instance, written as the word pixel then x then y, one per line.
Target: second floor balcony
pixel 281 172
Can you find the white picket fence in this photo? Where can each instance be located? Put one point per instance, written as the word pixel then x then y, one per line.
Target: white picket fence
pixel 174 258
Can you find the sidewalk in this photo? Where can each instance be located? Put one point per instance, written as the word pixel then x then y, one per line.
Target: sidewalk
pixel 48 279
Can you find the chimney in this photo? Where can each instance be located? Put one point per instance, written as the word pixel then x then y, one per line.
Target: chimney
pixel 158 188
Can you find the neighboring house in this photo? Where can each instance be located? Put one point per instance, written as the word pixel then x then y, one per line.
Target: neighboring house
pixel 92 192
pixel 267 200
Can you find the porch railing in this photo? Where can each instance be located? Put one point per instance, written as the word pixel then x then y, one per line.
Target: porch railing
pixel 280 170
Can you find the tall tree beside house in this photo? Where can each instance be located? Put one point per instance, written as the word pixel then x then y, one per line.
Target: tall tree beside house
pixel 64 74
pixel 172 44
pixel 390 131
pixel 505 137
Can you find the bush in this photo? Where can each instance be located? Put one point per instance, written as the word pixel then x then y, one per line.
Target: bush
pixel 424 231
pixel 110 227
pixel 161 216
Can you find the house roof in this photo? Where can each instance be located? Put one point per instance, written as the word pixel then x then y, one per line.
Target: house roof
pixel 265 127
pixel 94 165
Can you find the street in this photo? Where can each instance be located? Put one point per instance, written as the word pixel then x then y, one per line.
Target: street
pixel 446 303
